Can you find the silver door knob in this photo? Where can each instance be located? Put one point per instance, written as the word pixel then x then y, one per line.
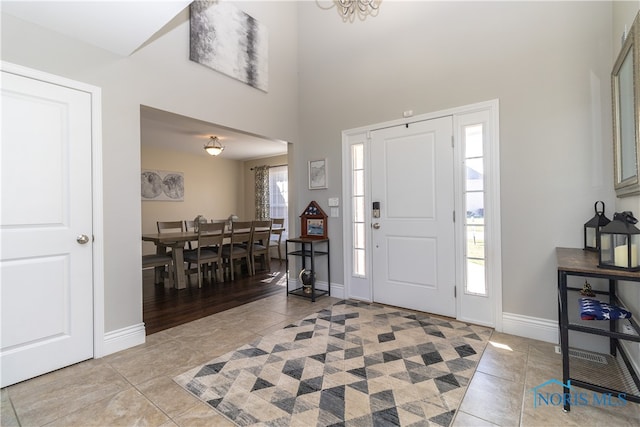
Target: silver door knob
pixel 376 225
pixel 82 239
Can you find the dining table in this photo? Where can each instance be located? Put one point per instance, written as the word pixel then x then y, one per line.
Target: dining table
pixel 176 241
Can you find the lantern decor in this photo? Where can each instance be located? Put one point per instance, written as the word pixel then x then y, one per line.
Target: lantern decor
pixel 620 243
pixel 592 228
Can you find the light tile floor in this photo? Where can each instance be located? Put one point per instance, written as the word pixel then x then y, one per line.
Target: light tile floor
pixel 135 386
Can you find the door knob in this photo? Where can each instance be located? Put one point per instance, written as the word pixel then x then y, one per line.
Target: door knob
pixel 82 239
pixel 376 225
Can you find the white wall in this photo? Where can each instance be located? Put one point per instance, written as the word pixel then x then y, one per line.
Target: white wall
pixel 161 76
pixel 547 62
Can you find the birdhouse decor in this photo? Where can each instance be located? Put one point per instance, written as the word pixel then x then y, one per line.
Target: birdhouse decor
pixel 593 227
pixel 313 222
pixel 620 243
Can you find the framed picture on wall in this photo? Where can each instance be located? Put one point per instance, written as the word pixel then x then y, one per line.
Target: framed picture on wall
pixel 162 185
pixel 317 174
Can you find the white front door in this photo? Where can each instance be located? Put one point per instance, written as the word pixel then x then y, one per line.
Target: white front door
pixel 413 242
pixel 45 260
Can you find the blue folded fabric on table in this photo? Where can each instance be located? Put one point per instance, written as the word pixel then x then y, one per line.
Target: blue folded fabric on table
pixel 592 309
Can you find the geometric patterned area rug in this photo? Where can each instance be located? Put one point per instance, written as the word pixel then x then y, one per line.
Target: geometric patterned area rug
pixel 352 364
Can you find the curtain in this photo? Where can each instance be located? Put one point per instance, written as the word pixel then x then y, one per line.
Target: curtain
pixel 262 192
pixel 279 195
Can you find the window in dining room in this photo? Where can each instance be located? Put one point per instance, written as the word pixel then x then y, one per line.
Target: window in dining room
pixel 279 194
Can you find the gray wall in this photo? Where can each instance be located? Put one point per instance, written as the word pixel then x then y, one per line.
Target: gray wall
pixel 159 75
pixel 547 62
pixel 623 15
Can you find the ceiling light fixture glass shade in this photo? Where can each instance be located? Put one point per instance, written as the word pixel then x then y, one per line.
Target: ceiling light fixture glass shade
pixel 214 147
pixel 348 9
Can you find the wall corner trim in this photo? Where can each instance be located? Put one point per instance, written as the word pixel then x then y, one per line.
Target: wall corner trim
pixel 531 327
pixel 122 339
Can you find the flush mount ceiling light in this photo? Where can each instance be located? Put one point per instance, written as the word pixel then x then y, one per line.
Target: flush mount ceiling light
pixel 348 9
pixel 214 147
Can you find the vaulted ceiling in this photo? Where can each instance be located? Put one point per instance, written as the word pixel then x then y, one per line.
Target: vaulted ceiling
pixel 117 26
pixel 122 27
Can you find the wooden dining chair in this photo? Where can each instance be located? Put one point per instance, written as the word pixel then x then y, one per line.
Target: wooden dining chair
pixel 160 260
pixel 173 227
pixel 165 227
pixel 238 248
pixel 170 226
pixel 208 253
pixel 275 241
pixel 259 248
pixel 223 221
pixel 190 225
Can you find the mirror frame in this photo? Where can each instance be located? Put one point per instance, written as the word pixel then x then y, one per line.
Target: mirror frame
pixel 626 136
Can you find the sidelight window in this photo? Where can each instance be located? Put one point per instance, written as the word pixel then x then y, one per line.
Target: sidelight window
pixel 474 201
pixel 358 204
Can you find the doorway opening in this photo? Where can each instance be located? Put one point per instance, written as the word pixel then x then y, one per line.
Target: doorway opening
pixel 216 187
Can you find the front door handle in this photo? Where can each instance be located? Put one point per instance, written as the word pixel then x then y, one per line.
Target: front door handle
pixel 376 225
pixel 82 239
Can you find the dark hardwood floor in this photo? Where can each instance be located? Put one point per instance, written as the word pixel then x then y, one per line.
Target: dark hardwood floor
pixel 166 308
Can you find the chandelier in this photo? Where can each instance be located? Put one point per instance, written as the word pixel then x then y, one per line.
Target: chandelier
pixel 214 147
pixel 348 9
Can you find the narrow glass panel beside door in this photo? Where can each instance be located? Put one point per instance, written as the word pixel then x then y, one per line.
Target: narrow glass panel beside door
pixel 474 207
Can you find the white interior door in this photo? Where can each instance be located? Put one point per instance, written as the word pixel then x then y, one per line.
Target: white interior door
pixel 45 263
pixel 413 242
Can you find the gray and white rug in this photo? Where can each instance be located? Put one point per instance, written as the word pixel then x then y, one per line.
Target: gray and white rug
pixel 353 364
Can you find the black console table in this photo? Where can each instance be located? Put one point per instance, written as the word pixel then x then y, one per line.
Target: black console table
pixel 308 248
pixel 578 262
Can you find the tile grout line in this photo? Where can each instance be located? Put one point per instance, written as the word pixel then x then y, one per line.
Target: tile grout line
pixel 169 418
pixel 524 383
pixel 471 379
pixel 13 408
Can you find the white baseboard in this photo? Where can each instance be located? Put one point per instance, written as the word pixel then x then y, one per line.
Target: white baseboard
pixel 548 330
pixel 123 339
pixel 531 327
pixel 337 290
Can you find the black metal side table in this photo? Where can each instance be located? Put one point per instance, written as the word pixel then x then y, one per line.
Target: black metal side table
pixel 578 262
pixel 307 248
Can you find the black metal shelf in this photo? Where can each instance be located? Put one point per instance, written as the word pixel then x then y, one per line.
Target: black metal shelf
pixel 301 293
pixel 577 262
pixel 308 251
pixel 605 327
